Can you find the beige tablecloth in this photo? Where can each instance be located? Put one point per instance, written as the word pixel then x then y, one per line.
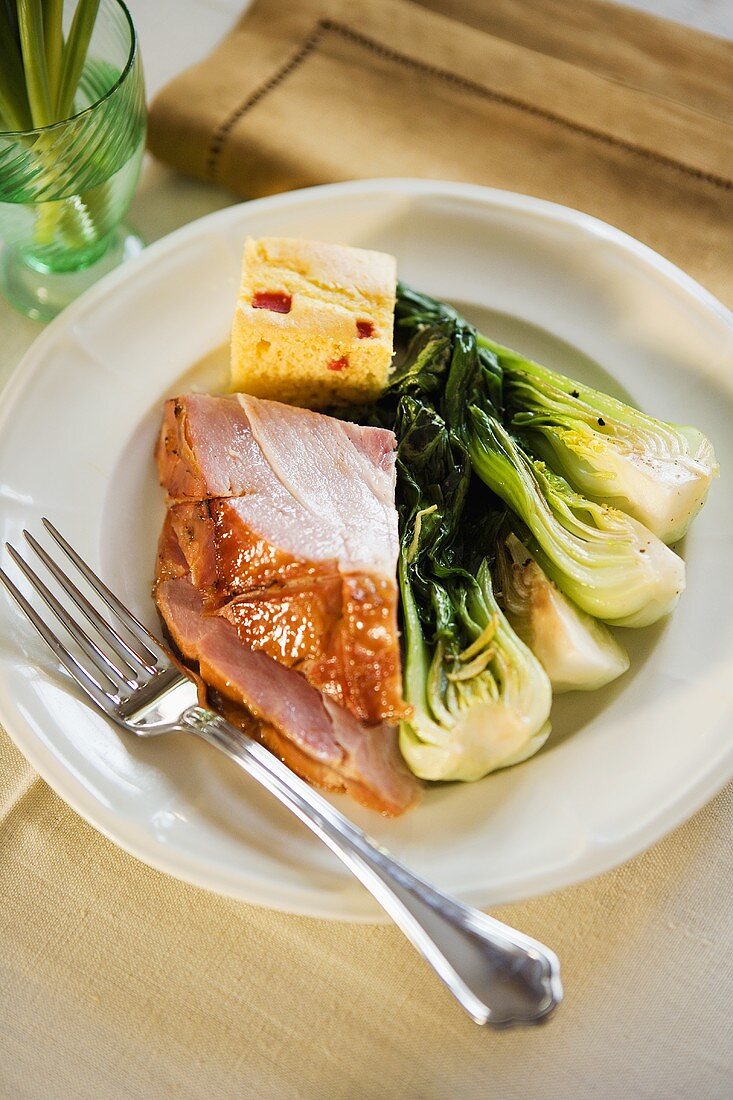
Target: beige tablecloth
pixel 118 983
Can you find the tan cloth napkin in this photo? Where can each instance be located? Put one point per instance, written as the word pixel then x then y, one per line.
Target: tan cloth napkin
pixel 607 110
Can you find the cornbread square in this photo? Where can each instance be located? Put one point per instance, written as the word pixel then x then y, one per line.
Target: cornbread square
pixel 313 324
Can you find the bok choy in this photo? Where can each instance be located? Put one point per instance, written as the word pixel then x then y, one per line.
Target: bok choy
pixel 511 475
pixel 480 699
pixel 577 652
pixel 605 561
pixel 659 473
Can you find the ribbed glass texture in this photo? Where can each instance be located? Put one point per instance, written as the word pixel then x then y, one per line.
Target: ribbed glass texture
pixel 65 188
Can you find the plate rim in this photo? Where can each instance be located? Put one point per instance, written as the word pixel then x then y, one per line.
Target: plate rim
pixel 264 891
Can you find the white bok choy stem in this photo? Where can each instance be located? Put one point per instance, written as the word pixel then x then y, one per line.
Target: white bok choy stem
pixel 476 711
pixel 577 652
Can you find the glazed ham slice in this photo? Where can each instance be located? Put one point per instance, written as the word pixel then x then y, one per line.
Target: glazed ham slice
pixel 276 580
pixel 286 519
pixel 321 741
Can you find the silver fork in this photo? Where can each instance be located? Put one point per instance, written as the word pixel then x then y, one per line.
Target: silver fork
pixel 498 975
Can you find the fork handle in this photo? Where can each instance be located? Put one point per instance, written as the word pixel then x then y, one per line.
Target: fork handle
pixel 498 975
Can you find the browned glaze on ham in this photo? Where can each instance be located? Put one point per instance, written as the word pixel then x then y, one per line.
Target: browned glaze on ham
pixel 322 742
pixel 276 578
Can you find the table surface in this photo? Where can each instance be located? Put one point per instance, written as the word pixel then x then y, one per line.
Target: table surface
pixel 656 933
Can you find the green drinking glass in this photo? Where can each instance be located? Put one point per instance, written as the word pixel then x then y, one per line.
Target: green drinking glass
pixel 65 188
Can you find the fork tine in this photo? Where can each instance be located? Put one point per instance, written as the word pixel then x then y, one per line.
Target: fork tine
pixel 99 659
pixel 135 627
pixel 87 683
pixel 130 656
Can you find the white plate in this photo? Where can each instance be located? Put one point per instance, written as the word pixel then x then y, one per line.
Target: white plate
pixel 78 420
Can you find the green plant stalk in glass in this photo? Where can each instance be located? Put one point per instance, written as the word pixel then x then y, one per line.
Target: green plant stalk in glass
pixel 40 75
pixel 72 122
